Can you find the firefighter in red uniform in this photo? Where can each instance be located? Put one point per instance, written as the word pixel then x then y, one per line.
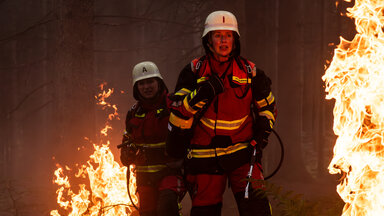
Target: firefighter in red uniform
pixel 159 187
pixel 224 105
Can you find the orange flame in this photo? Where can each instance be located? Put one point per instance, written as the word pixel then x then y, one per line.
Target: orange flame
pixel 107 180
pixel 355 79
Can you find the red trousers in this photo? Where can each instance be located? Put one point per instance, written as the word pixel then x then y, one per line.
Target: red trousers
pixel 208 189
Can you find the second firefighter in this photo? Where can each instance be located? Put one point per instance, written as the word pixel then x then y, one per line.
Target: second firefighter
pixel 159 187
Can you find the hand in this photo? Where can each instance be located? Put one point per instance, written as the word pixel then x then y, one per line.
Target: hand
pixel 216 84
pixel 207 90
pixel 262 139
pixel 127 155
pixel 261 131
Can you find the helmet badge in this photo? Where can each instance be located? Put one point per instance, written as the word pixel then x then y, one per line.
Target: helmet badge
pixel 144 70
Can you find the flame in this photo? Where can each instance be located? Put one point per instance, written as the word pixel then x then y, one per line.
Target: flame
pixel 107 193
pixel 355 79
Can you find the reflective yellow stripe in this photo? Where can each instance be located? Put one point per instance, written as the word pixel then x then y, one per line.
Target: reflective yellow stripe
pixel 183 91
pixel 201 79
pixel 152 168
pixel 200 104
pixel 151 145
pixel 222 124
pixel 267 114
pixel 266 101
pixel 241 80
pixel 159 111
pixel 186 105
pixel 179 122
pixel 207 153
pixel 140 115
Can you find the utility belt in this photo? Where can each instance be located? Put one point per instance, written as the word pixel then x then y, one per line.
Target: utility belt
pixel 217 160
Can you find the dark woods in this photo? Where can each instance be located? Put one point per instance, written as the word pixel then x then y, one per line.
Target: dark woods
pixel 55 53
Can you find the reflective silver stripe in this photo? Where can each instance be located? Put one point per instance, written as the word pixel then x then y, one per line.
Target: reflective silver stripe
pixel 151 145
pixel 223 124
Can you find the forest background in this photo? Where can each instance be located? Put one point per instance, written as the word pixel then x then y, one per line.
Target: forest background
pixel 55 53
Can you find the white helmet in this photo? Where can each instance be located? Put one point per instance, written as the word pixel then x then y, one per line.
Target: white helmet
pixel 145 70
pixel 220 20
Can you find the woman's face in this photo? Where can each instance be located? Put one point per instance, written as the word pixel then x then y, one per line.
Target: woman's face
pixel 222 43
pixel 148 88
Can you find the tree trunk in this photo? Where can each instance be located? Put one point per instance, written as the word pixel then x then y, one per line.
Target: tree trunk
pixel 73 79
pixel 261 47
pixel 289 41
pixel 275 35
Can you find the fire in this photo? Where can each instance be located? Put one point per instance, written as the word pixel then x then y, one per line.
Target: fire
pixel 107 180
pixel 355 79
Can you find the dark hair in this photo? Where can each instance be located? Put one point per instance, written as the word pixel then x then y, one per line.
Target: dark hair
pixel 162 87
pixel 236 44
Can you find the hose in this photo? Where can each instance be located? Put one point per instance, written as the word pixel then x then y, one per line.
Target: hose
pixel 281 156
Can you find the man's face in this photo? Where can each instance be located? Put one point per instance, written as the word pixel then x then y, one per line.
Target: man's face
pixel 148 88
pixel 222 42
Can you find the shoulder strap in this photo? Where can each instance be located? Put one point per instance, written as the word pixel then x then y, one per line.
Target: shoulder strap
pixel 131 115
pixel 132 111
pixel 245 66
pixel 197 64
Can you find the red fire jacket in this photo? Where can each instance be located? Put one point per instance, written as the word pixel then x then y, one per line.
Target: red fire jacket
pixel 224 127
pixel 146 129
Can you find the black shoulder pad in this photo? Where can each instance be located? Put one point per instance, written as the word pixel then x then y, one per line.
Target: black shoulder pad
pixel 261 85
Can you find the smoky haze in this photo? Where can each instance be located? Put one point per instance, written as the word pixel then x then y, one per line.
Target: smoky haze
pixel 54 54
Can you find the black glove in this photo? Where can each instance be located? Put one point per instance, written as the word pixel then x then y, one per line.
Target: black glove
pixel 127 156
pixel 207 90
pixel 128 151
pixel 261 131
pixel 261 85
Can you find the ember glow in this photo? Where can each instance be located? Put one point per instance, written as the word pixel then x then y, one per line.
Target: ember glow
pixel 355 79
pixel 106 194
